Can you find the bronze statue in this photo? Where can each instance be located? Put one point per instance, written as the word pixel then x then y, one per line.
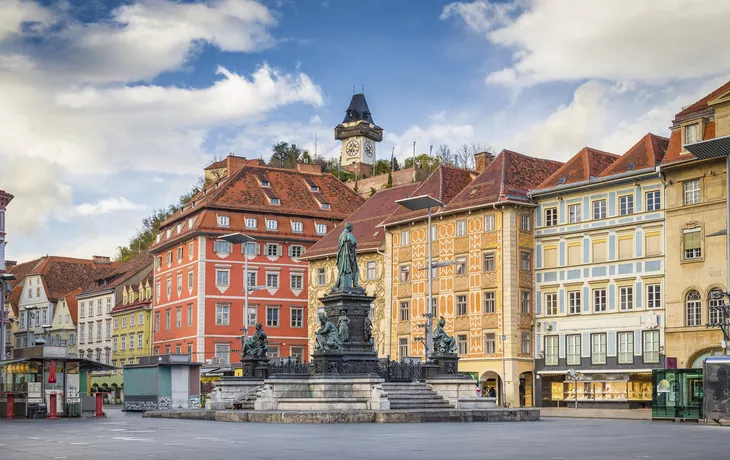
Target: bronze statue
pixel 367 330
pixel 347 270
pixel 343 326
pixel 443 343
pixel 328 339
pixel 258 345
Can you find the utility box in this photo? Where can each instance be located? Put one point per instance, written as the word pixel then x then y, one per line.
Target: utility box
pixel 677 394
pixel 162 382
pixel 717 387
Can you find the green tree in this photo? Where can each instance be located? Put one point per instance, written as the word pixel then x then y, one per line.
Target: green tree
pixel 288 156
pixel 423 161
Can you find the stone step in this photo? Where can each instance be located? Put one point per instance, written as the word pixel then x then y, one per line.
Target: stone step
pixel 392 397
pixel 417 405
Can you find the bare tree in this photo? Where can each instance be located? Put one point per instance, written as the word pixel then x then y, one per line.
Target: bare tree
pixel 445 155
pixel 463 156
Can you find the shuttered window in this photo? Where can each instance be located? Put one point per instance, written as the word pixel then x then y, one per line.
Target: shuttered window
pixel 625 248
pixel 653 244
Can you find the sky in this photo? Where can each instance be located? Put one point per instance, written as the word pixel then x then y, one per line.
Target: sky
pixel 109 109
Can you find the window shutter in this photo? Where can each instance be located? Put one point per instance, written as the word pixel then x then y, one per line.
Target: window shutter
pixel 289 253
pixel 279 250
pixel 691 240
pixel 257 249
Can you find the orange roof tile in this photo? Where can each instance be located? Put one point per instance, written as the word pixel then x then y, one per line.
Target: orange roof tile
pixel 702 103
pixel 581 167
pixel 647 153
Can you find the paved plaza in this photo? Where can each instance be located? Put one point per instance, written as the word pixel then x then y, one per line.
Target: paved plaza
pixel 129 436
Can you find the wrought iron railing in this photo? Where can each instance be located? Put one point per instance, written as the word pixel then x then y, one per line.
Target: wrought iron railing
pixel 400 371
pixel 289 366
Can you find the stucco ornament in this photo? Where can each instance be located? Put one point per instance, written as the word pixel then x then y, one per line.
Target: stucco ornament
pixel 443 343
pixel 258 345
pixel 347 270
pixel 328 339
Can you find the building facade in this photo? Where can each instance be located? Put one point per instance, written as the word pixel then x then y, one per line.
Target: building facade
pixel 599 278
pixel 132 324
pixel 5 199
pixel 372 253
pixel 63 326
pixel 485 231
pixel 199 277
pixel 696 263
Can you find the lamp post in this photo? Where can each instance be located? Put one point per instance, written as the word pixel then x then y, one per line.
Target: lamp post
pixel 414 204
pixel 4 278
pixel 30 316
pixel 575 376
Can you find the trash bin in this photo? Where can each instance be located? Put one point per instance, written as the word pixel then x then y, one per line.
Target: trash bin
pixel 73 409
pixel 38 410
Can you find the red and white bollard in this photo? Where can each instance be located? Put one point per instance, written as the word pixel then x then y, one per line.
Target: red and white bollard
pixel 99 404
pixel 52 410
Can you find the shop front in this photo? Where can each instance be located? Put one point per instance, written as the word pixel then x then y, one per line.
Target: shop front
pixel 608 390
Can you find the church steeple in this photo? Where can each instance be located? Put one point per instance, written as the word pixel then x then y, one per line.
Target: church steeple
pixel 358 133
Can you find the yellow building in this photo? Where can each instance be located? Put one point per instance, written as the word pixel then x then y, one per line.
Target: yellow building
pixel 132 324
pixel 372 250
pixel 696 226
pixel 486 296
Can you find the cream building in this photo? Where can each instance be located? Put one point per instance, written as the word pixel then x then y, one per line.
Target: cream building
pixel 63 326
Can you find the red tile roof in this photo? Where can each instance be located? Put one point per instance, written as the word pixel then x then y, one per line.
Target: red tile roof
pixel 62 275
pixel 647 153
pixel 444 183
pixel 508 178
pixel 702 103
pixel 20 271
pixel 581 167
pixel 73 305
pixel 365 222
pixel 122 273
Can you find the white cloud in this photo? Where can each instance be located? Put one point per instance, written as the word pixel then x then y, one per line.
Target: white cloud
pixel 643 40
pixel 17 14
pixel 106 206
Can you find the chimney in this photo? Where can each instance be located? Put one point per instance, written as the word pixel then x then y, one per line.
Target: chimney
pixel 483 160
pixel 234 163
pixel 101 259
pixel 310 168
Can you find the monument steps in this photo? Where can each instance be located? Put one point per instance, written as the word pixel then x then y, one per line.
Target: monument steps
pixel 414 395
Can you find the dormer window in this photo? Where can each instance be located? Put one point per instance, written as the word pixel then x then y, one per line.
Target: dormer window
pixel 630 167
pixel 224 221
pixel 272 225
pixel 325 205
pixel 692 133
pixel 297 227
pixel 169 231
pixel 314 188
pixel 157 239
pixel 179 227
pixel 250 222
pixel 190 222
pixel 561 181
pixel 275 201
pixel 321 229
pixel 265 183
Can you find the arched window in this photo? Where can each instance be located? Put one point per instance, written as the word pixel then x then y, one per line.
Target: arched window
pixel 716 302
pixel 693 306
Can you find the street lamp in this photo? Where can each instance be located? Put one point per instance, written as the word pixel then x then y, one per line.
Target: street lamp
pixel 4 290
pixel 30 315
pixel 575 376
pixel 235 238
pixel 414 204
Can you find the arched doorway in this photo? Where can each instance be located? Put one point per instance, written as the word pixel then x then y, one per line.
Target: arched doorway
pixel 526 389
pixel 491 383
pixel 696 361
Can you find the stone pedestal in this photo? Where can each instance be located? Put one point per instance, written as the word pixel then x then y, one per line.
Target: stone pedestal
pixel 255 367
pixel 461 392
pixel 229 389
pixel 323 393
pixel 442 365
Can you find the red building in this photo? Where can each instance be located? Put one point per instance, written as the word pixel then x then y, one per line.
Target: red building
pixel 199 278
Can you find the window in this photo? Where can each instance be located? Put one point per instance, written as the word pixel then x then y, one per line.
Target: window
pixel 653 201
pixel 167 320
pixel 692 243
pixel 574 303
pixel 191 250
pixel 574 254
pixel 98 307
pixel 692 192
pixel 626 298
pixel 272 224
pixel 157 321
pixel 461 265
pixel 158 292
pixel 551 217
pixel 179 284
pixel 626 204
pixel 222 314
pixel 179 253
pixel 252 281
pixel 321 229
pixel 81 312
pixel 325 205
pixel 274 201
pixel 692 133
pixel 190 280
pixel 223 353
pixel 272 280
pixel 297 227
pixel 253 315
pixel 461 305
pixel 653 243
pixel 190 315
pixel 272 316
pixel 222 278
pixel 625 347
pixel 599 251
pixel 489 223
pixel 525 343
pixel 114 344
pixel 551 304
pixel 178 317
pixel 131 342
pixel 714 311
pixel 599 300
pixel 223 247
pixel 371 270
pixel 296 353
pixel 598 348
pixel 489 303
pixel 131 320
pixel 488 263
pixel 489 344
pixel 250 222
pixel 297 317
pixel 405 273
pixel 573 213
pixel 525 302
pixel 653 296
pixel 550 256
pixel 693 306
pixel 525 260
pixel 124 321
pixel 297 281
pixel 599 209
pixel 405 311
pixel 124 342
pixel 140 319
pixel 651 346
pixel 321 277
pixel 403 347
pixel 405 238
pixel 461 227
pixel 572 349
pixel 296 251
pixel 462 344
pixel 108 305
pixel 551 350
pixel 525 222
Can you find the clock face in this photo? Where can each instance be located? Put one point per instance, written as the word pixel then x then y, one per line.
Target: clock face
pixel 369 148
pixel 353 148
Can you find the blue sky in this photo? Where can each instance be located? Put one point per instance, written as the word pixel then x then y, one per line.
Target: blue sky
pixel 111 109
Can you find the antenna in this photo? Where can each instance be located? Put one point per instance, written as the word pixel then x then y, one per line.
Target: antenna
pixel 414 161
pixel 315 145
pixel 353 90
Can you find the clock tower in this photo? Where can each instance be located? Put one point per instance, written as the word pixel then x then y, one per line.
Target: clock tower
pixel 358 133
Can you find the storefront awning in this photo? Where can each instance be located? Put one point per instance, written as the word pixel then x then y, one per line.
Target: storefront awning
pixel 11 361
pixel 597 371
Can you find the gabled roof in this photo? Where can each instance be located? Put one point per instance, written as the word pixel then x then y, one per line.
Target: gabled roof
pixel 365 222
pixel 703 103
pixel 20 271
pixel 444 183
pixel 581 167
pixel 647 153
pixel 358 110
pixel 508 178
pixel 121 307
pixel 73 305
pixel 62 275
pixel 123 272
